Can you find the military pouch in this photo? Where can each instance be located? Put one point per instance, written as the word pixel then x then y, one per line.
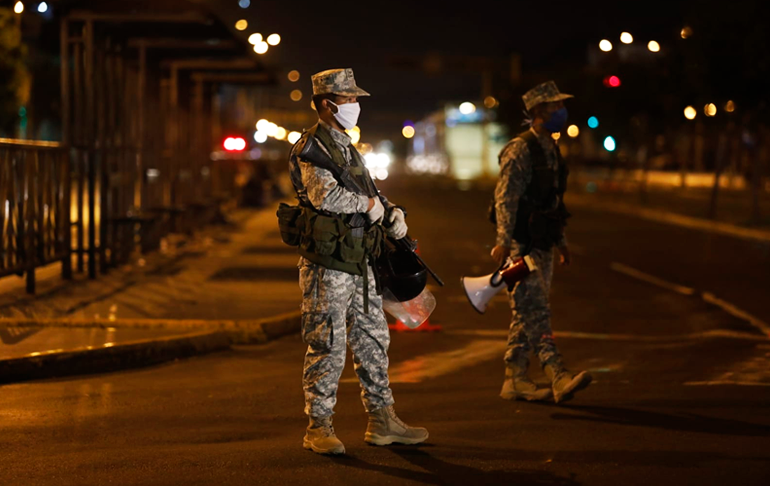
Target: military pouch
pixel 352 248
pixel 291 222
pixel 325 235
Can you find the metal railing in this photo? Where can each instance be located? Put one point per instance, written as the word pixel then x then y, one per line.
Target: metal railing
pixel 35 227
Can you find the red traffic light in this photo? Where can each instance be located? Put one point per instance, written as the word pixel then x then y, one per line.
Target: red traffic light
pixel 234 144
pixel 612 81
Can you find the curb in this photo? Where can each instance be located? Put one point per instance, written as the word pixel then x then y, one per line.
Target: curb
pixel 199 337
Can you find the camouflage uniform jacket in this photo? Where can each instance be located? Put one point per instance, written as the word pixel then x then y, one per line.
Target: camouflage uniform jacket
pixel 515 176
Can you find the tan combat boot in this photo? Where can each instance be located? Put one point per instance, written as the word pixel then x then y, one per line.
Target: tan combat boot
pixel 565 383
pixel 518 386
pixel 320 437
pixel 386 428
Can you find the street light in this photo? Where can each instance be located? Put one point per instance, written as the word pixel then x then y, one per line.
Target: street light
pixel 18 8
pixel 690 113
pixel 626 38
pixel 653 46
pixel 605 45
pixel 274 39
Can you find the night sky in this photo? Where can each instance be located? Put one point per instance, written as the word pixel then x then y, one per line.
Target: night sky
pixel 363 35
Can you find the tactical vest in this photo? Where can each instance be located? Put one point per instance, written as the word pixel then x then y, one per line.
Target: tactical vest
pixel 336 241
pixel 540 220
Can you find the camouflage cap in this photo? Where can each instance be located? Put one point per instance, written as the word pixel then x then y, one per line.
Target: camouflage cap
pixel 543 93
pixel 338 81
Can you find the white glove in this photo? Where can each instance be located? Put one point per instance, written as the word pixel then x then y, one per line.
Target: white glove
pixel 377 212
pixel 398 229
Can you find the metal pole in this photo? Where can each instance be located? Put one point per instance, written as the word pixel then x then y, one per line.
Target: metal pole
pixel 90 142
pixel 64 216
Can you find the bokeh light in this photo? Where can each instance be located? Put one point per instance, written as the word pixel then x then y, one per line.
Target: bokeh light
pixel 271 130
pixel 242 24
pixel 710 109
pixel 274 39
pixel 609 144
pixel 605 45
pixel 593 122
pixel 556 135
pixel 260 47
pixel 690 113
pixel 730 106
pixel 293 137
pixel 294 76
pixel 407 131
pixel 467 108
pixel 244 3
pixel 262 125
pixel 281 133
pixel 255 38
pixel 573 131
pixel 490 102
pixel 626 38
pixel 686 32
pixel 296 95
pixel 18 8
pixel 260 137
pixel 653 46
pixel 43 7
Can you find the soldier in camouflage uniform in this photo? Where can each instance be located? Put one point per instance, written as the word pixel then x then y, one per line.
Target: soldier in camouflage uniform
pixel 530 216
pixel 340 303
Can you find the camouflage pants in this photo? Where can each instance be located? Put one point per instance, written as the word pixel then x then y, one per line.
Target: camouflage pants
pixel 531 323
pixel 333 315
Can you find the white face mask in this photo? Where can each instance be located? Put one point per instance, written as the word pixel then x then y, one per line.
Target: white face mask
pixel 347 114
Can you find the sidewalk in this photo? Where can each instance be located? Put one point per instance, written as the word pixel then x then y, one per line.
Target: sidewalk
pixel 226 284
pixel 733 206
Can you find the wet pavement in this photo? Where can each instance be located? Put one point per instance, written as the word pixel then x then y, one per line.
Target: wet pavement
pixel 681 392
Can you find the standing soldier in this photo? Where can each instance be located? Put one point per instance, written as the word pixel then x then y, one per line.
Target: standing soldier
pixel 339 235
pixel 530 217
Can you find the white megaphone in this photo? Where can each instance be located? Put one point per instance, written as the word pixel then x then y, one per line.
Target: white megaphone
pixel 480 290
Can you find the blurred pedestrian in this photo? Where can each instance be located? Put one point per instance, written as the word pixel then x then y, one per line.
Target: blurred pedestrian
pixel 341 233
pixel 530 216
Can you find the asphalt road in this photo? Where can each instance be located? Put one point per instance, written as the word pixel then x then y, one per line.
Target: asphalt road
pixel 681 392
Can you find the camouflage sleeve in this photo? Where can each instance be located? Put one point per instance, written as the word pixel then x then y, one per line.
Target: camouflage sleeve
pixel 515 175
pixel 324 193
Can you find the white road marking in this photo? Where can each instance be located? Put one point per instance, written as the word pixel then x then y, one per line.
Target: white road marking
pixel 706 296
pixel 651 279
pixel 421 368
pixel 735 311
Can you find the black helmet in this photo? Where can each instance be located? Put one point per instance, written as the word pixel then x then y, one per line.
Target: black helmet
pixel 402 274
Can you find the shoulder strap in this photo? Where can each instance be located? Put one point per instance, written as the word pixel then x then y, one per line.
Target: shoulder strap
pixel 535 149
